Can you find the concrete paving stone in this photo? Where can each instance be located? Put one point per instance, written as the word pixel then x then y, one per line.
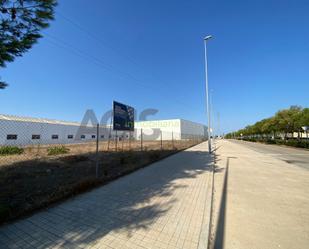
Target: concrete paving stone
pixel 159 206
pixel 261 201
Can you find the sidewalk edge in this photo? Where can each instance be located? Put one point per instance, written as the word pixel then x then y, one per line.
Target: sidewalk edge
pixel 205 234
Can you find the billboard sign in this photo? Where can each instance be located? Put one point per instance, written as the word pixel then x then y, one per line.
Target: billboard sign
pixel 123 117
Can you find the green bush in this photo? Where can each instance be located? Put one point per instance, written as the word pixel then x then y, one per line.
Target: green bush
pixel 57 150
pixel 280 141
pixel 290 142
pixel 250 139
pixel 270 141
pixel 297 143
pixel 293 143
pixel 10 150
pixel 126 158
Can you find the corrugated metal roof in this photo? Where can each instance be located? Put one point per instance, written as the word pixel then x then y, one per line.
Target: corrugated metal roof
pixel 36 120
pixel 54 121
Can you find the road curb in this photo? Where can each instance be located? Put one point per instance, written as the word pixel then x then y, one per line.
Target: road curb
pixel 205 234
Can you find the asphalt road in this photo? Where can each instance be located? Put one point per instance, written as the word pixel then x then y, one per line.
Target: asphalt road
pixel 294 156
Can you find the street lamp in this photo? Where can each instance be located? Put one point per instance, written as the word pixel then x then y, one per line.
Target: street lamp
pixel 207 93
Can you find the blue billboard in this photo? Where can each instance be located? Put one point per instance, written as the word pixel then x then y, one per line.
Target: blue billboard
pixel 123 117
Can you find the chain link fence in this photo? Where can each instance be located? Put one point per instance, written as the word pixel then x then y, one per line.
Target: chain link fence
pixel 41 163
pixel 21 141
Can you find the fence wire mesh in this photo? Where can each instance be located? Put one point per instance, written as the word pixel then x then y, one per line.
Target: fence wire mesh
pixel 43 162
pixel 23 141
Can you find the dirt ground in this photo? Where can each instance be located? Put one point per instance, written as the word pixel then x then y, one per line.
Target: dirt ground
pixel 34 180
pixel 40 151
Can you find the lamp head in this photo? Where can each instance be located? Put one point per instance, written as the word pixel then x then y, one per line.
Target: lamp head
pixel 207 37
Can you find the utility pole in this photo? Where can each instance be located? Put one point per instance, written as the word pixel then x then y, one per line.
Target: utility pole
pixel 218 132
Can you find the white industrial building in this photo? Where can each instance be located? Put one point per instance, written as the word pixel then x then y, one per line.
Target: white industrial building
pixel 27 131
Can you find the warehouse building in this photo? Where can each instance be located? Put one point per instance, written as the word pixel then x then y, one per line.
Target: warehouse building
pixel 30 131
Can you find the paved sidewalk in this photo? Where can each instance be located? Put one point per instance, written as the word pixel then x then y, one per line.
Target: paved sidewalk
pixel 261 202
pixel 160 206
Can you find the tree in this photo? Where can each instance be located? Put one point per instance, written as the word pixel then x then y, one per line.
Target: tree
pixel 287 119
pixel 303 120
pixel 3 85
pixel 21 23
pixel 268 126
pixel 284 121
pixel 304 117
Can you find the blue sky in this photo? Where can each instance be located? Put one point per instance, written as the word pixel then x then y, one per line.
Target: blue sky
pixel 149 54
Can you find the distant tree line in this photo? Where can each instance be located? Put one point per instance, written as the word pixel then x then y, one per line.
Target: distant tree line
pixel 282 125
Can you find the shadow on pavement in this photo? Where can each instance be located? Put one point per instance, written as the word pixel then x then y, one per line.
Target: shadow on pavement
pixel 126 205
pixel 219 236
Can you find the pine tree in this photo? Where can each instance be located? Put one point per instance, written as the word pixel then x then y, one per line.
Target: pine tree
pixel 20 26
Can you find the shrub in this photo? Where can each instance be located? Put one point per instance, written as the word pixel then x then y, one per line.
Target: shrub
pixel 280 141
pixel 270 141
pixel 293 143
pixel 4 211
pixel 297 143
pixel 154 156
pixel 10 150
pixel 123 160
pixel 290 142
pixel 57 150
pixel 126 158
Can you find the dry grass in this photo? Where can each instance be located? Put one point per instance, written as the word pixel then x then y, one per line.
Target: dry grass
pixel 41 151
pixel 34 180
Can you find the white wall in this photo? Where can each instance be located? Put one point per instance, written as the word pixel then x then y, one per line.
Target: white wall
pixel 25 130
pixel 189 129
pixel 152 130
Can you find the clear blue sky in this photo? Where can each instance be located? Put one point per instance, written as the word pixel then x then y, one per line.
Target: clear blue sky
pixel 149 54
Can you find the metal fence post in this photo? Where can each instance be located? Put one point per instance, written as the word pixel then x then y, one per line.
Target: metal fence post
pixel 97 154
pixel 173 139
pixel 116 141
pixel 129 140
pixel 161 140
pixel 108 142
pixel 123 138
pixel 141 139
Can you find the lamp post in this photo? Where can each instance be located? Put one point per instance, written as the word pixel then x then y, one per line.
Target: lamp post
pixel 212 118
pixel 207 92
